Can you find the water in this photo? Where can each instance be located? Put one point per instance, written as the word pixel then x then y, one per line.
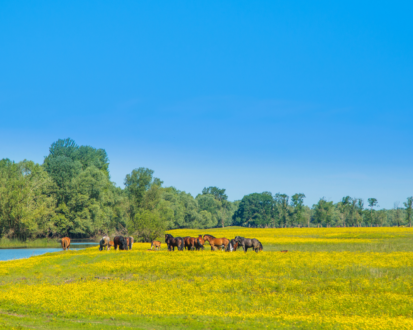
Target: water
pixel 10 254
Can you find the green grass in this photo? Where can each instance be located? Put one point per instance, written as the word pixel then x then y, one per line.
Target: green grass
pixel 77 267
pixel 6 243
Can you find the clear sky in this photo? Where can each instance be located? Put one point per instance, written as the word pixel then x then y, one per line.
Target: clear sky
pixel 251 96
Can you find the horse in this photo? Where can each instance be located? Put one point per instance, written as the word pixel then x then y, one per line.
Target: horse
pixel 104 242
pixel 121 242
pixel 216 242
pixel 130 243
pixel 232 246
pixel 189 243
pixel 65 243
pixel 156 244
pixel 247 243
pixel 111 244
pixel 199 243
pixel 173 242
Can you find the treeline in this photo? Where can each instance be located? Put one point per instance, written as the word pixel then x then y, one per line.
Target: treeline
pixel 267 210
pixel 71 194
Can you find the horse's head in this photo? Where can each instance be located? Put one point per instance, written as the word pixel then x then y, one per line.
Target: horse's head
pixel 206 237
pixel 238 239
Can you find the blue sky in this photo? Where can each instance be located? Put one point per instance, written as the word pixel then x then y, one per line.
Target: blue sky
pixel 251 96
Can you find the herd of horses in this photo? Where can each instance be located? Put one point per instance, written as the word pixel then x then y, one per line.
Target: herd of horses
pixel 123 243
pixel 197 243
pixel 181 243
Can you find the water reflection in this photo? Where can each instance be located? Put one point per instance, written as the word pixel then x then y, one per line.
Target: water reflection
pixel 10 254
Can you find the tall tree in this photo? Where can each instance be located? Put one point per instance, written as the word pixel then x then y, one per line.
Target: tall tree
pixel 136 184
pixel 254 210
pixel 323 212
pixel 26 206
pixel 219 194
pixel 283 210
pixel 297 202
pixel 408 205
pixel 222 210
pixel 372 203
pixel 397 216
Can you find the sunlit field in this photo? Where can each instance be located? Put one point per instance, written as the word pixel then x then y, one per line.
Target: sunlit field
pixel 330 278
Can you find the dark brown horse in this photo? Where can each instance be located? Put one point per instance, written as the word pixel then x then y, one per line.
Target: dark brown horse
pixel 247 243
pixel 189 243
pixel 65 243
pixel 173 242
pixel 199 243
pixel 121 242
pixel 216 243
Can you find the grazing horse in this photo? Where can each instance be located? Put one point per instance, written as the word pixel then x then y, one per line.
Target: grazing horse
pixel 232 246
pixel 189 243
pixel 65 243
pixel 111 244
pixel 130 243
pixel 121 242
pixel 216 242
pixel 156 244
pixel 104 242
pixel 173 242
pixel 199 243
pixel 247 243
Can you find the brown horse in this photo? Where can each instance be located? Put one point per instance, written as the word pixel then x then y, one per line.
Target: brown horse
pixel 111 244
pixel 173 242
pixel 65 243
pixel 121 242
pixel 189 243
pixel 199 243
pixel 156 244
pixel 216 242
pixel 232 246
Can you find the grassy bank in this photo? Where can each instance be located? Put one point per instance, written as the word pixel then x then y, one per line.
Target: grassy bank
pixel 329 279
pixel 36 243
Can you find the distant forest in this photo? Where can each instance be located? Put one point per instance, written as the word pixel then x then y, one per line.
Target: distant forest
pixel 71 194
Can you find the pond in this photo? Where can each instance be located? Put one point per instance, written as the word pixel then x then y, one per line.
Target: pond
pixel 10 254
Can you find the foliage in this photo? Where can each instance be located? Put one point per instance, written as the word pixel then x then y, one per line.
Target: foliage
pixel 26 206
pixel 71 194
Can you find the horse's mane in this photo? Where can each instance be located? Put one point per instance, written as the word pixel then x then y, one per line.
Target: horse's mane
pixel 209 236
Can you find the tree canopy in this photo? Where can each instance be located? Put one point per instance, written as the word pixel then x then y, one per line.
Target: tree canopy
pixel 71 194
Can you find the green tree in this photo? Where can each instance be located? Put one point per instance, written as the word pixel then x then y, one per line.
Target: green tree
pixel 408 206
pixel 372 203
pixel 26 207
pixel 283 211
pixel 254 210
pixel 323 212
pixel 297 202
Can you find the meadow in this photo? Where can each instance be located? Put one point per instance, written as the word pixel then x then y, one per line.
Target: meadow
pixel 330 278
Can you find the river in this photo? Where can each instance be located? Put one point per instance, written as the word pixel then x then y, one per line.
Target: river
pixel 18 253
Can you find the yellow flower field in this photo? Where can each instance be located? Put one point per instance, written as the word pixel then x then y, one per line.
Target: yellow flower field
pixel 298 289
